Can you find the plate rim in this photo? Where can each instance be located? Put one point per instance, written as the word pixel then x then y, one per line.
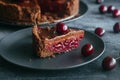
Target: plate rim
pixel 60 68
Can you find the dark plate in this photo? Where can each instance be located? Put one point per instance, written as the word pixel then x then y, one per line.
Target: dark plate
pixel 82 11
pixel 17 48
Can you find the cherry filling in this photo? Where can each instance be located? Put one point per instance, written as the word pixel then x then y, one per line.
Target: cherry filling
pixel 64 46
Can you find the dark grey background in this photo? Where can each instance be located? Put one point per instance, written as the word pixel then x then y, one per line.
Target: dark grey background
pixel 92 71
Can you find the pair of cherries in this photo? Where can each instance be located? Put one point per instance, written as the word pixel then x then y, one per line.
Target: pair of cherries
pixel 100 31
pixel 104 9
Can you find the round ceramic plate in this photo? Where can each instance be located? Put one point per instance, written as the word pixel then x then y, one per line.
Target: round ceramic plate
pixel 17 48
pixel 83 9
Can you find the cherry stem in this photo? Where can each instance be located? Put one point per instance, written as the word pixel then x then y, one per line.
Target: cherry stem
pixel 117 58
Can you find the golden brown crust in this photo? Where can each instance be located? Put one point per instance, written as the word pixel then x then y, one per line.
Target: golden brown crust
pixel 38 44
pixel 10 11
pixel 18 13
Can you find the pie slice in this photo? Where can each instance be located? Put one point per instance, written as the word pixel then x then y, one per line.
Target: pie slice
pixel 47 41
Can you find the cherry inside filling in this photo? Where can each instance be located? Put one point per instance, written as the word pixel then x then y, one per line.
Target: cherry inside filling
pixel 64 46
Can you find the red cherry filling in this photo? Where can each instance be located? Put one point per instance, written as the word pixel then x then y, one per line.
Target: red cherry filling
pixel 87 49
pixel 58 47
pixel 61 28
pixel 108 63
pixel 66 45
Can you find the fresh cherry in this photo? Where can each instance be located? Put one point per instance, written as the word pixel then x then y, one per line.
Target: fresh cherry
pixel 99 31
pixel 109 63
pixel 61 28
pixel 99 1
pixel 116 27
pixel 111 8
pixel 103 9
pixel 116 13
pixel 87 49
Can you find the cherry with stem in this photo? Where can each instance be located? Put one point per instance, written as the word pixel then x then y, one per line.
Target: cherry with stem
pixel 109 62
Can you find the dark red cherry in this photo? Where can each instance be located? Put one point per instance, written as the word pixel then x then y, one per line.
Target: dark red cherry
pixel 109 63
pixel 99 1
pixel 116 27
pixel 99 31
pixel 87 49
pixel 111 8
pixel 61 28
pixel 116 13
pixel 103 9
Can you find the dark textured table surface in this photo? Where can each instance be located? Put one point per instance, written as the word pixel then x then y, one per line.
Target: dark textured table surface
pixel 91 71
